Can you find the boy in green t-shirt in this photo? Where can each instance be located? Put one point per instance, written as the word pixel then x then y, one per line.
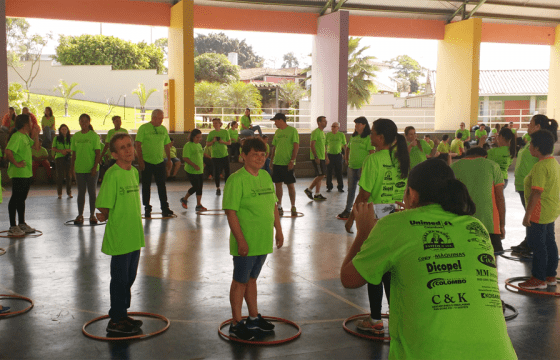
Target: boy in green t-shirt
pixel 117 129
pixel 41 158
pixel 250 205
pixel 317 155
pixel 336 141
pixel 429 141
pixel 457 146
pixel 542 191
pixel 172 167
pixel 119 205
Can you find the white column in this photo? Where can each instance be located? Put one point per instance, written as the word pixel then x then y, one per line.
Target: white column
pixel 329 90
pixel 486 109
pixel 532 105
pixel 3 62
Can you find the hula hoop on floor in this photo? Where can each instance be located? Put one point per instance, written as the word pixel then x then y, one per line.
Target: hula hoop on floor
pixel 160 217
pixel 20 236
pixel 290 216
pixel 515 258
pixel 16 297
pixel 520 289
pixel 2 251
pixel 213 212
pixel 275 342
pixel 364 336
pixel 71 223
pixel 512 316
pixel 141 336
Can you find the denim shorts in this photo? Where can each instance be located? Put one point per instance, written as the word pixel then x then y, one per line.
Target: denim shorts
pixel 245 267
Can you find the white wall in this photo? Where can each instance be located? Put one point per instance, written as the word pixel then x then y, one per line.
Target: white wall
pixel 98 82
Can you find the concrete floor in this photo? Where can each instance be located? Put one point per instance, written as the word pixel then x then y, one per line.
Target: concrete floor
pixel 185 273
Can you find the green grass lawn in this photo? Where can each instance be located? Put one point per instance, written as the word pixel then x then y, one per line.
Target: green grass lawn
pixel 96 111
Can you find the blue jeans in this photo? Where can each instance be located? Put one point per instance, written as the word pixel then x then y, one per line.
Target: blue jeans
pixel 540 238
pixel 251 132
pixel 353 179
pixel 123 273
pixel 266 166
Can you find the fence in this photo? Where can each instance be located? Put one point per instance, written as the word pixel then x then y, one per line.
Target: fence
pixel 520 117
pixel 298 118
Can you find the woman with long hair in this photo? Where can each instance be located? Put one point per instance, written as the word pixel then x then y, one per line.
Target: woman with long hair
pixel 193 156
pixel 61 148
pixel 48 124
pixel 247 127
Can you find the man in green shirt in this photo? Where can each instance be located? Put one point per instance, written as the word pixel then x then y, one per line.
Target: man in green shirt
pixel 466 135
pixel 457 146
pixel 335 142
pixel 119 205
pixel 117 129
pixel 151 139
pixel 284 154
pixel 317 155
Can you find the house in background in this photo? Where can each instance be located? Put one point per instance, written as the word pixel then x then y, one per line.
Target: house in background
pixel 268 80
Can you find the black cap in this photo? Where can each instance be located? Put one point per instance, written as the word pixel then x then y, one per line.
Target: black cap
pixel 279 116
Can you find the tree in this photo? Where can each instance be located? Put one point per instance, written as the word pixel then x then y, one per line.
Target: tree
pixel 111 103
pixel 407 70
pixel 21 46
pixel 290 61
pixel 215 68
pixel 207 95
pixel 219 43
pixel 162 44
pixel 143 96
pixel 66 92
pixel 291 93
pixel 16 96
pixel 108 50
pixel 240 95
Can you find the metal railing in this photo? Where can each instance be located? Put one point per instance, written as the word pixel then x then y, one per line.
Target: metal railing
pixel 520 117
pixel 298 118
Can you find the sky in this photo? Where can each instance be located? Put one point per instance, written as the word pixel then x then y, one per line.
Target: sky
pixel 272 46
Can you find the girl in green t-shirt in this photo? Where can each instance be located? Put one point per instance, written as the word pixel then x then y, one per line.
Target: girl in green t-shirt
pixel 234 147
pixel 193 155
pixel 61 148
pixel 48 124
pixel 505 152
pixel 18 153
pixel 219 139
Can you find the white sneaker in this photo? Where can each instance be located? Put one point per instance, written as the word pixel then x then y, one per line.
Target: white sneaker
pixel 26 228
pixel 15 231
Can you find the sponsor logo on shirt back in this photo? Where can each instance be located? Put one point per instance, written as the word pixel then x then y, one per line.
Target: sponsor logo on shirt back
pixel 487 260
pixel 436 268
pixel 436 240
pixel 441 282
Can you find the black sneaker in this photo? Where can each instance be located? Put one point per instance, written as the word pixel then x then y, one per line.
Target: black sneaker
pixel 340 190
pixel 319 197
pixel 523 247
pixel 240 331
pixel 280 211
pixel 329 190
pixel 218 192
pixel 259 324
pixel 308 193
pixel 344 215
pixel 166 212
pixel 148 212
pixel 134 322
pixel 122 327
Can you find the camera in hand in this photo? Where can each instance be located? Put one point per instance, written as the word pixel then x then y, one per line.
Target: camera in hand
pixel 217 138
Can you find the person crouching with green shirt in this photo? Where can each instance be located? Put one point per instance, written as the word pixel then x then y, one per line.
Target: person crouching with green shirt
pixel 119 205
pixel 542 189
pixel 250 205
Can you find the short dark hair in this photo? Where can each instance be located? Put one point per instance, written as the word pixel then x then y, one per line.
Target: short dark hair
pixel 253 143
pixel 477 151
pixel 320 118
pixel 407 129
pixel 544 141
pixel 459 135
pixel 264 137
pixel 115 117
pixel 193 134
pixel 115 138
pixel 427 136
pixel 445 137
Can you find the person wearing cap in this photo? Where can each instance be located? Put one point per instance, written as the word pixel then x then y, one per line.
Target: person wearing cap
pixel 317 155
pixel 466 135
pixel 247 129
pixel 336 141
pixel 284 153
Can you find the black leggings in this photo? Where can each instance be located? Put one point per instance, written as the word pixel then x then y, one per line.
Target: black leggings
pixel 20 189
pixel 375 295
pixel 219 165
pixel 196 182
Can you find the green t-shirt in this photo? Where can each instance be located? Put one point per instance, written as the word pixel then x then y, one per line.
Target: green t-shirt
pixel 267 150
pixel 417 155
pixel 153 140
pixel 430 143
pixel 284 142
pixel 59 146
pixel 335 142
pixel 207 151
pixel 245 120
pixel 47 122
pixel 120 194
pixel 194 153
pixel 318 136
pixel 494 132
pixel 443 274
pixel 443 147
pixel 84 145
pixel 172 152
pixel 481 176
pixel 501 156
pixel 219 150
pixel 526 137
pixel 38 153
pixel 253 199
pixel 466 133
pixel 523 165
pixel 359 148
pixel 381 178
pixel 545 176
pixel 480 133
pixel 20 144
pixel 233 135
pixel 110 135
pixel 457 146
pixel 513 130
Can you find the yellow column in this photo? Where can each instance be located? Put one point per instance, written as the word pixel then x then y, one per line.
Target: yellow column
pixel 553 100
pixel 181 64
pixel 457 75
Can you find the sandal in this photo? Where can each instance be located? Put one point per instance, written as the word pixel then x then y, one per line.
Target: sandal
pixel 92 219
pixel 79 220
pixel 70 196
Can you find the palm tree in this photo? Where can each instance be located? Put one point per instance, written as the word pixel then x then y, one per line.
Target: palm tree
pixel 291 92
pixel 207 95
pixel 239 95
pixel 143 96
pixel 361 71
pixel 65 91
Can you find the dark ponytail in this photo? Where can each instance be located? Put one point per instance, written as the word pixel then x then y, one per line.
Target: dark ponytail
pixel 435 182
pixel 547 124
pixel 388 129
pixel 508 135
pixel 553 128
pixel 21 121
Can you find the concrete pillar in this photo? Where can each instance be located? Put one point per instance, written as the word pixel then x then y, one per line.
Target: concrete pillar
pixel 181 64
pixel 553 100
pixel 458 74
pixel 3 62
pixel 532 105
pixel 486 109
pixel 329 90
